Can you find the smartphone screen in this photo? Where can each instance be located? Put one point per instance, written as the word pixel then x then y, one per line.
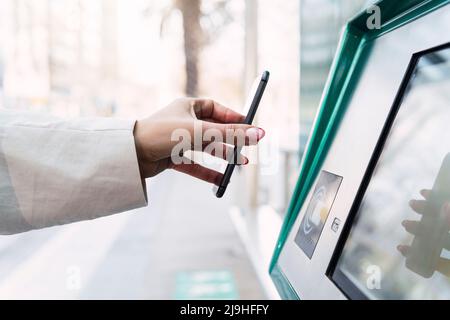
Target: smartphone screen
pixel 251 105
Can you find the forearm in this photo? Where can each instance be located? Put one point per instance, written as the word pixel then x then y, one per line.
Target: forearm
pixel 56 172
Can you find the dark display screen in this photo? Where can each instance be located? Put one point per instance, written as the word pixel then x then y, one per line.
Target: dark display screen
pixel 398 246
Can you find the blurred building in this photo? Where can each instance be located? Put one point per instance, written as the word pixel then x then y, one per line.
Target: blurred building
pixel 46 41
pixel 83 43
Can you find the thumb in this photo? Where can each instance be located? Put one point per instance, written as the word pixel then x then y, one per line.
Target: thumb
pixel 236 133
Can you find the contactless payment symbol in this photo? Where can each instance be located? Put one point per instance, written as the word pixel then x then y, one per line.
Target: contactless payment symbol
pixel 317 212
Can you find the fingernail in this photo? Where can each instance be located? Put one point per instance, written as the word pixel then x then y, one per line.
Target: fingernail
pixel 255 133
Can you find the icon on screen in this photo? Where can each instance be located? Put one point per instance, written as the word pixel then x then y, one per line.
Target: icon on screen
pixel 317 212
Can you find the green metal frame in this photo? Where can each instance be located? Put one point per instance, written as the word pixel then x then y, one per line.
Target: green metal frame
pixel 353 52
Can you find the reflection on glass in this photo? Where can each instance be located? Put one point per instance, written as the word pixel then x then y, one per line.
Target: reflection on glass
pixel 407 241
pixel 317 212
pixel 319 33
pixel 431 232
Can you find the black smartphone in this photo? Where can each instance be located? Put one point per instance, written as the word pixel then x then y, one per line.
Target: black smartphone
pixel 256 96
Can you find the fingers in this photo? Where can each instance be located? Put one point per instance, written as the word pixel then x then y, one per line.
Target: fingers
pixel 404 250
pixel 446 244
pixel 418 206
pixel 411 226
pixel 225 152
pixel 423 207
pixel 425 193
pixel 443 265
pixel 235 134
pixel 212 111
pixel 197 171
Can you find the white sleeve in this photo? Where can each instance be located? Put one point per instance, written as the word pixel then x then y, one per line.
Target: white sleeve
pixel 55 172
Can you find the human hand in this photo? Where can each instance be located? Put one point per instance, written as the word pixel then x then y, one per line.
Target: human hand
pixel 204 121
pixel 413 227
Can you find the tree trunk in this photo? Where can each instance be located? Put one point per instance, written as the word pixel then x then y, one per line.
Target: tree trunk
pixel 191 11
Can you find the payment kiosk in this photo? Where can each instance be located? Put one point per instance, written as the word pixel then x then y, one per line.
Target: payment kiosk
pixel 370 215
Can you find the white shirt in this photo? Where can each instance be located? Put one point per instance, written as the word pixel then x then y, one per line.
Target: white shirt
pixel 55 172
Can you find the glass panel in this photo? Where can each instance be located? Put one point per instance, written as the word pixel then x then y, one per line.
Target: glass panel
pixel 279 113
pixel 321 22
pixel 398 248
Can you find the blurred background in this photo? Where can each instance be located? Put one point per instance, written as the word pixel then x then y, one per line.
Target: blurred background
pixel 117 58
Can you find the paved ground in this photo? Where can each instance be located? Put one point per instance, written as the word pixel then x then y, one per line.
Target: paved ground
pixel 136 255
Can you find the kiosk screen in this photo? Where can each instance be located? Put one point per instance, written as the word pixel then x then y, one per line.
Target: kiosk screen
pixel 398 246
